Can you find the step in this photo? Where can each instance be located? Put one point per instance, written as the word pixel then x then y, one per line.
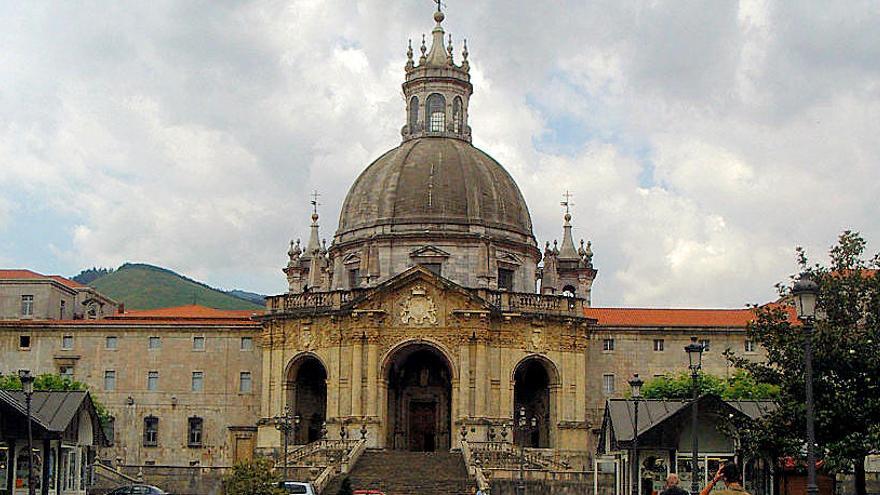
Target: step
pixel 406 473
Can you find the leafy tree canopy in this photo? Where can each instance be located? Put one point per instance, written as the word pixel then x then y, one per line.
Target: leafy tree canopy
pixel 254 477
pixel 739 386
pixel 846 361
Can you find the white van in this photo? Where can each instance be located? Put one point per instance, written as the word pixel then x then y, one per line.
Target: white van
pixel 297 487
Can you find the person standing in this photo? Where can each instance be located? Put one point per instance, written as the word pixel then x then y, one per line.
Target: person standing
pixel 732 479
pixel 672 487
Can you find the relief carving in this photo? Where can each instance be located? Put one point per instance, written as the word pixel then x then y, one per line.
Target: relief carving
pixel 419 308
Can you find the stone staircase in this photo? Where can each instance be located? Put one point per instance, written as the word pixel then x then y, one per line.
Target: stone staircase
pixel 397 472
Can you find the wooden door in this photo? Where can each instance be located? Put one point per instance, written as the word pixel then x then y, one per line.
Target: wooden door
pixel 422 426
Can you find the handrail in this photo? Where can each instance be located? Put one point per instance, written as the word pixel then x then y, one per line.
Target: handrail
pixel 345 453
pixel 474 469
pixel 506 301
pixel 98 465
pixel 533 457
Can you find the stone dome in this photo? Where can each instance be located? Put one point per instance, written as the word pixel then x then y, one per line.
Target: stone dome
pixel 434 184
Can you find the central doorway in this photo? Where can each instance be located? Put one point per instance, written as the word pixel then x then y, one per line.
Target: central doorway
pixel 422 426
pixel 419 399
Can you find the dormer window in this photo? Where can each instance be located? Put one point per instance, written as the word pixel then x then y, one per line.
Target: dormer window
pixel 413 113
pixel 505 279
pixel 436 110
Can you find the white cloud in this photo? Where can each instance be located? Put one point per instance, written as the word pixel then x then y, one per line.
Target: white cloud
pixel 702 145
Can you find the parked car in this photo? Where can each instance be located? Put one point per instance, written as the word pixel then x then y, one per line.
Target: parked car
pixel 297 487
pixel 138 490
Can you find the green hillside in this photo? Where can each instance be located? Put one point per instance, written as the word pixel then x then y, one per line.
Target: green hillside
pixel 142 286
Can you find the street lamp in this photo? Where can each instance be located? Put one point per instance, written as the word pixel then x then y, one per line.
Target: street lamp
pixel 525 426
pixel 695 357
pixel 806 293
pixel 636 385
pixel 285 424
pixel 27 386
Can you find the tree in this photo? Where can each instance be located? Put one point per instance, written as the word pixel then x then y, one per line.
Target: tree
pixel 739 386
pixel 345 487
pixel 254 477
pixel 846 361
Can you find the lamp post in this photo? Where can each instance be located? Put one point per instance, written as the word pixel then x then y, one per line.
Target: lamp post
pixel 806 293
pixel 285 424
pixel 636 386
pixel 525 426
pixel 695 358
pixel 27 386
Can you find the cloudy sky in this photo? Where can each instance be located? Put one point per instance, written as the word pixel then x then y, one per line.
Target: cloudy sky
pixel 702 141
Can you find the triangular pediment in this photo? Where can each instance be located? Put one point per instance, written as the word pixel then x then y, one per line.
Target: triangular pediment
pixel 509 258
pixel 429 252
pixel 418 281
pixel 352 258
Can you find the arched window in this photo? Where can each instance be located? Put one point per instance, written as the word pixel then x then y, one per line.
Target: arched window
pixel 457 114
pixel 436 112
pixel 569 291
pixel 413 113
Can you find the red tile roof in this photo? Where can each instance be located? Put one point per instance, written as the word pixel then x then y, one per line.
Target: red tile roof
pixel 190 311
pixel 31 275
pixel 646 317
pixel 183 316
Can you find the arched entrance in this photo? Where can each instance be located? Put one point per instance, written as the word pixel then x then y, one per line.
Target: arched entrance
pixel 419 379
pixel 534 381
pixel 307 397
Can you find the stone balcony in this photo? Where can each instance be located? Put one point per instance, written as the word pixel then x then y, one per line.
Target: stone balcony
pixel 502 302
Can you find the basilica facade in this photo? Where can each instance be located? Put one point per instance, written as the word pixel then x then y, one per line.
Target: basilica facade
pixel 435 311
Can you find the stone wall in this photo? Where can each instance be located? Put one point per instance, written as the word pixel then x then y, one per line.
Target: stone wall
pixel 219 404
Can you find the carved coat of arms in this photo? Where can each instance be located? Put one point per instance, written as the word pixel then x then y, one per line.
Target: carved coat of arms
pixel 419 308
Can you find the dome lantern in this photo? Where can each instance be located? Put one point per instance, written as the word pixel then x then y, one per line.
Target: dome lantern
pixel 437 91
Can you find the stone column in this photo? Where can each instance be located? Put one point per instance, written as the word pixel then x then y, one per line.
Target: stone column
pixel 372 408
pixel 333 385
pixel 357 355
pixel 481 382
pixel 464 381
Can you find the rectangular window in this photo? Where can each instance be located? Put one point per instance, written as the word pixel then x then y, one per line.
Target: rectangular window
pixel 354 278
pixel 153 380
pixel 505 279
pixel 749 345
pixel 61 311
pixel 110 429
pixel 607 345
pixel 151 431
pixel 154 343
pixel 608 383
pixel 67 342
pixel 705 344
pixel 245 382
pixel 435 268
pixel 27 305
pixel 198 381
pixel 111 342
pixel 24 341
pixel 658 345
pixel 198 343
pixel 194 432
pixel 109 380
pixel 66 372
pixel 247 344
